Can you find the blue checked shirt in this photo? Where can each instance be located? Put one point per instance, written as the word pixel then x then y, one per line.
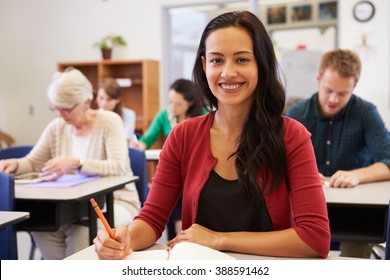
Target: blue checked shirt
pixel 356 137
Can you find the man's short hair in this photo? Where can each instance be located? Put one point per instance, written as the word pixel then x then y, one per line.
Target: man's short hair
pixel 347 63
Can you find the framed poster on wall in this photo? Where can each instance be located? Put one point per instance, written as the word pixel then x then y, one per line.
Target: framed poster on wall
pixel 327 10
pixel 276 15
pixel 301 13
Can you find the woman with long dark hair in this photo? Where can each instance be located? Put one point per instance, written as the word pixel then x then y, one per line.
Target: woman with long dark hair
pixel 248 175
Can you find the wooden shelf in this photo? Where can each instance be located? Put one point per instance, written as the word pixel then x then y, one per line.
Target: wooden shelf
pixel 142 96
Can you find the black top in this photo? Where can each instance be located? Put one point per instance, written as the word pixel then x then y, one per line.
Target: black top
pixel 223 207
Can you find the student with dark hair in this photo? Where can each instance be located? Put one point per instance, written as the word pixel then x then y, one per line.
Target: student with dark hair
pixel 248 175
pixel 182 105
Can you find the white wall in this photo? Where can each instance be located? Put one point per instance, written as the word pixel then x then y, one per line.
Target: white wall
pixel 374 84
pixel 35 35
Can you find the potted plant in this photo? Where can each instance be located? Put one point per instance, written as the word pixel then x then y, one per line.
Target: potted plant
pixel 107 43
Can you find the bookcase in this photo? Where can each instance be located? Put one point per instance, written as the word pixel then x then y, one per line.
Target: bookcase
pixel 142 95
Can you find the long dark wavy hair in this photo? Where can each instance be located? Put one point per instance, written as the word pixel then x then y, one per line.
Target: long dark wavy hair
pixel 261 147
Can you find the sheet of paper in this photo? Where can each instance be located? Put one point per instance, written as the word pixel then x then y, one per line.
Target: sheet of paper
pixel 193 251
pixel 67 180
pixel 149 255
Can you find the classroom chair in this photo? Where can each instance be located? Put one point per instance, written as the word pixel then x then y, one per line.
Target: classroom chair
pixel 139 167
pixel 8 248
pixel 15 152
pixel 6 140
pixel 19 152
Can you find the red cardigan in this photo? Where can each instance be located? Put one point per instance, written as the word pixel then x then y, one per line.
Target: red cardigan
pixel 185 165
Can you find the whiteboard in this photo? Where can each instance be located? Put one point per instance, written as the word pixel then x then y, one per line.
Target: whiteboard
pixel 300 68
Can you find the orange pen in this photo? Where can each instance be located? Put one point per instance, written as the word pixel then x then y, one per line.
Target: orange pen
pixel 102 218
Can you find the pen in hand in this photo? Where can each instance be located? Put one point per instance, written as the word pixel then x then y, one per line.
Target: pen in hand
pixel 102 218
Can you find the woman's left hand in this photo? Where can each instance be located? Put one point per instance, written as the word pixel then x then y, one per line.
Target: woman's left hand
pixel 198 234
pixel 60 166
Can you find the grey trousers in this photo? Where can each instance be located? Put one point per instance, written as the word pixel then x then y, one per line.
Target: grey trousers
pixel 72 238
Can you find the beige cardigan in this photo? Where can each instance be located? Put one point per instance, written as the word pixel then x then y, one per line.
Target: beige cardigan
pixel 106 155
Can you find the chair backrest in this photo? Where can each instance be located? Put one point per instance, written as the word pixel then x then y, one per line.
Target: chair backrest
pixel 15 152
pixel 6 139
pixel 387 248
pixel 139 166
pixel 8 248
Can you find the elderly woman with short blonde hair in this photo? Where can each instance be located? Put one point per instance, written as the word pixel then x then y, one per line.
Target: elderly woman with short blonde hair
pixel 79 140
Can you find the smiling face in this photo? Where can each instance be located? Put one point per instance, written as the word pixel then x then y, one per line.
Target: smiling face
pixel 230 66
pixel 334 92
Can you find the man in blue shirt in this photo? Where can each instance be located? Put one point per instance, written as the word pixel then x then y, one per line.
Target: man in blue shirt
pixel 351 142
pixel 350 139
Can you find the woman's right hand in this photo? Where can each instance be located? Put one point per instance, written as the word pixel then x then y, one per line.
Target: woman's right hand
pixel 109 249
pixel 8 165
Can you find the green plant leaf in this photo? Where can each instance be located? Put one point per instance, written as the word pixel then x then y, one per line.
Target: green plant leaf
pixel 110 41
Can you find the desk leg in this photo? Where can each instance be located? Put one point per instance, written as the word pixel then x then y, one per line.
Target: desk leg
pixel 93 219
pixel 92 224
pixel 110 209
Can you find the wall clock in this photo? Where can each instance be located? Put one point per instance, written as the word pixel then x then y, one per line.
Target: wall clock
pixel 363 11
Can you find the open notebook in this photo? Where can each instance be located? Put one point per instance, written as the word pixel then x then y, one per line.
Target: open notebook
pixel 181 251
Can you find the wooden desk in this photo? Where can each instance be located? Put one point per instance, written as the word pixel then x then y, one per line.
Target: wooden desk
pixel 9 218
pixel 51 208
pixel 359 214
pixel 89 254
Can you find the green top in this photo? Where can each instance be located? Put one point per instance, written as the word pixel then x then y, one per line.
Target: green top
pixel 160 124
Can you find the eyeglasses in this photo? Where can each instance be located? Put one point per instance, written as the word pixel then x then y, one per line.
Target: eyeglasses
pixel 63 110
